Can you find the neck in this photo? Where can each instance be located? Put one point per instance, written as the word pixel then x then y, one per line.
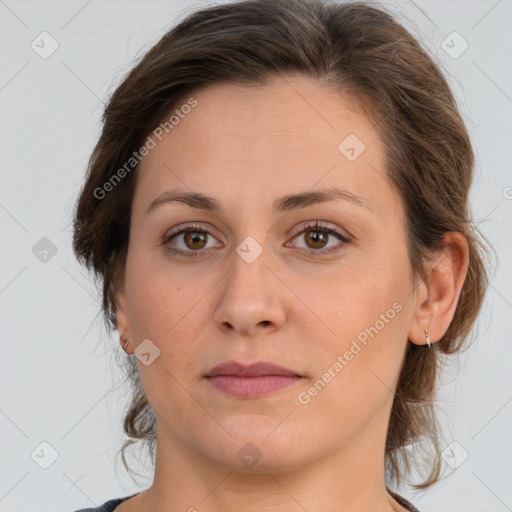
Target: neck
pixel 348 480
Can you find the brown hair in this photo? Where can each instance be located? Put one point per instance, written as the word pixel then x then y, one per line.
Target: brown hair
pixel 357 49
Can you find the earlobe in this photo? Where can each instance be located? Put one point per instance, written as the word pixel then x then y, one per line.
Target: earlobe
pixel 123 324
pixel 121 312
pixel 439 293
pixel 118 299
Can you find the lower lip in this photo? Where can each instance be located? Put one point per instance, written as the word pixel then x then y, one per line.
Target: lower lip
pixel 251 387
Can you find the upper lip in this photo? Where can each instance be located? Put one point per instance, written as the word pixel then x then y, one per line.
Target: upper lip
pixel 252 370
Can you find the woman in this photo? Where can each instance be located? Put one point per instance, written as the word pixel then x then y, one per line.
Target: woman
pixel 277 208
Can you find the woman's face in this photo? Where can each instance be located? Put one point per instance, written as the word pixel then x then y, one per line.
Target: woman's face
pixel 256 281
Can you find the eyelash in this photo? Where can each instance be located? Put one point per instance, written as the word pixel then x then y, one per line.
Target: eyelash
pixel 344 239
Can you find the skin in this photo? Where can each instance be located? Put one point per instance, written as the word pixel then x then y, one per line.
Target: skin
pixel 246 147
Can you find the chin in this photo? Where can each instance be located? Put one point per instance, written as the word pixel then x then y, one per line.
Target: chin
pixel 259 448
pixel 251 460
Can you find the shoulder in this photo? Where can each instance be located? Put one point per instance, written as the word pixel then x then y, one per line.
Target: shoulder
pixel 403 502
pixel 108 506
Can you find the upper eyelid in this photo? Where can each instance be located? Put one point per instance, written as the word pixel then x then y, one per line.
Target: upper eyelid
pixel 318 224
pixel 187 227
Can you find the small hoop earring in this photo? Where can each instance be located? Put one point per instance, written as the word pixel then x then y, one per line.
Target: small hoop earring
pixel 428 339
pixel 124 343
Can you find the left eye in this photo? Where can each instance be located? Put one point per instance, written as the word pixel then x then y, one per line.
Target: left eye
pixel 316 239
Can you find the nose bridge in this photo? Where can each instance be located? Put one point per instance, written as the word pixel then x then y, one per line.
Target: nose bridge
pixel 248 280
pixel 250 296
pixel 250 265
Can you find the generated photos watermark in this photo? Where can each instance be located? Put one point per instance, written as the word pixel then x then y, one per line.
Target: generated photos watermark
pixel 304 397
pixel 137 156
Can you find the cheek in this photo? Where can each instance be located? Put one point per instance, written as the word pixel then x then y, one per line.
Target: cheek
pixel 162 310
pixel 356 371
pixel 173 308
pixel 357 302
pixel 364 324
pixel 155 290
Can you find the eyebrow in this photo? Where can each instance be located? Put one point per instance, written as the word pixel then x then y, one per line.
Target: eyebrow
pixel 283 204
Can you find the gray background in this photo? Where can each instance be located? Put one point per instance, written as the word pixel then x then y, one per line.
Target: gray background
pixel 59 376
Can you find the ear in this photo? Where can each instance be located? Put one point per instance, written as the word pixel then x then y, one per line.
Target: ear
pixel 439 293
pixel 118 299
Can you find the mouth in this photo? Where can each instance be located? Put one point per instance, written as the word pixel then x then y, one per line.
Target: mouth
pixel 251 381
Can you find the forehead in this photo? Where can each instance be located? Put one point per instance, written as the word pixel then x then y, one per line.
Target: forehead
pixel 290 113
pixel 260 142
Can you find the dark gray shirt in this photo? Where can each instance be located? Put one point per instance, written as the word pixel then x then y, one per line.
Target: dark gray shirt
pixel 110 505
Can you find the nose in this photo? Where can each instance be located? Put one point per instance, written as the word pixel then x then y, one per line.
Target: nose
pixel 250 300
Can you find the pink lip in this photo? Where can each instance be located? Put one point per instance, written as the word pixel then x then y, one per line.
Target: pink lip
pixel 251 381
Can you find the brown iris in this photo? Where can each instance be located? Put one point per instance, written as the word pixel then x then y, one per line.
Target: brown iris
pixel 317 237
pixel 193 237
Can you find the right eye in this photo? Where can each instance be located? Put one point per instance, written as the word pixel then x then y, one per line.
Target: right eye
pixel 191 240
